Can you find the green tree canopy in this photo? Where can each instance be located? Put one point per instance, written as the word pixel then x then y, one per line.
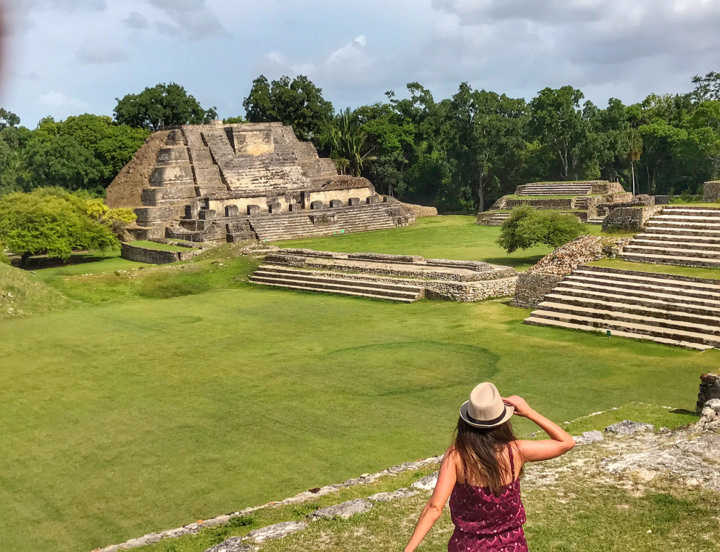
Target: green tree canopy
pixel 526 227
pixel 50 221
pixel 297 102
pixel 163 105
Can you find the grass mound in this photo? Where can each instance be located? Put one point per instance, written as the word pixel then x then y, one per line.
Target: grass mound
pixel 22 294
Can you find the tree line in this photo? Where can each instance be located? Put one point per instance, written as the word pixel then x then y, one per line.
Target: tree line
pixel 458 153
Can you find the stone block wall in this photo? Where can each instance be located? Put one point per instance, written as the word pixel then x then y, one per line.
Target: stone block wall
pixel 469 292
pixel 631 218
pixel 540 203
pixel 532 287
pixel 154 256
pixel 709 389
pixel 711 190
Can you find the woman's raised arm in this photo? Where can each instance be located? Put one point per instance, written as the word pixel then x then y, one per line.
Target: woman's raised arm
pixel 433 509
pixel 533 451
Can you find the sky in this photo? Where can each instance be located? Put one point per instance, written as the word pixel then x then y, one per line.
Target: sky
pixel 66 57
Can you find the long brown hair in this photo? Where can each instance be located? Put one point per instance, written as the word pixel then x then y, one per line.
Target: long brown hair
pixel 479 451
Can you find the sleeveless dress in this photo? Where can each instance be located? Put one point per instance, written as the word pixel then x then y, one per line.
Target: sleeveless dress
pixel 485 522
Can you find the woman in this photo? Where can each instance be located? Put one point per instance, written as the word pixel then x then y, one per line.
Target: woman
pixel 480 471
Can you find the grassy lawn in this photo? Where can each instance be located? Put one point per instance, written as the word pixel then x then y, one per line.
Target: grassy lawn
pixel 693 272
pixel 444 237
pixel 170 394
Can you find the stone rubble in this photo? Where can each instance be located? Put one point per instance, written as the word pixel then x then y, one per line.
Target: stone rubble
pixel 344 510
pixel 568 257
pixel 276 531
pixel 589 437
pixel 628 427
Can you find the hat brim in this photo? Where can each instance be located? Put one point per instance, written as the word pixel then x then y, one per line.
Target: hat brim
pixel 509 411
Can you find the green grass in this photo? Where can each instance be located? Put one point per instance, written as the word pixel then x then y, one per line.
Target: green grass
pixel 23 294
pixel 693 272
pixel 715 205
pixel 156 246
pixel 130 417
pixel 445 237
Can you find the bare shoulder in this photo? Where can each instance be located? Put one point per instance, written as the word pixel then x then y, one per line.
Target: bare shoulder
pixel 451 455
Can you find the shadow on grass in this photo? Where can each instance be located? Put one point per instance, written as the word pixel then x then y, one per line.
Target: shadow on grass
pixel 43 261
pixel 514 261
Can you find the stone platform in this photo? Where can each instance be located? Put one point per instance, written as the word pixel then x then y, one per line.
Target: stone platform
pixel 403 278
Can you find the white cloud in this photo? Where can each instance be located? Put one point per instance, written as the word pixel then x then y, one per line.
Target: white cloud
pixel 191 19
pixel 59 100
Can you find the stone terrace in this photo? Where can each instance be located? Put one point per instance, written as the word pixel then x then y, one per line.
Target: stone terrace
pixel 580 198
pixel 402 278
pixel 678 235
pixel 667 309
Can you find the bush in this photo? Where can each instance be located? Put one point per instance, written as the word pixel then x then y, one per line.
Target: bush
pixel 50 221
pixel 3 257
pixel 527 227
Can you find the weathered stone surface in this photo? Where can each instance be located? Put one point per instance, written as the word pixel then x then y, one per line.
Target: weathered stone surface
pixel 532 287
pixel 344 510
pixel 427 483
pixel 711 190
pixel 392 495
pixel 276 531
pixel 234 544
pixel 589 437
pixel 630 217
pixel 628 427
pixel 710 416
pixel 709 389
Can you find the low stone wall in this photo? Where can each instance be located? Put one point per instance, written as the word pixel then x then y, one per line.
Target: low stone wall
pixel 709 389
pixel 155 256
pixel 711 191
pixel 532 287
pixel 420 210
pixel 631 218
pixel 469 292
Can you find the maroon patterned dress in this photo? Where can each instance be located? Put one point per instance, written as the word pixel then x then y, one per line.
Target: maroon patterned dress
pixel 485 522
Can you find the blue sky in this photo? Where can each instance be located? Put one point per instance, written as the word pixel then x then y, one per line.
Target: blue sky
pixel 64 57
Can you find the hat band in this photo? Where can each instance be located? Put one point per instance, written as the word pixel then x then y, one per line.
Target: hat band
pixel 487 422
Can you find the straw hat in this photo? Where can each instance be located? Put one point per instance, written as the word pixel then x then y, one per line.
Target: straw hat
pixel 485 409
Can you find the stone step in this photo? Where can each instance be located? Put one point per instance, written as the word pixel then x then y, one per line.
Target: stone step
pixel 704 217
pixel 669 259
pixel 661 249
pixel 345 288
pixel 686 223
pixel 663 319
pixel 699 315
pixel 690 209
pixel 334 277
pixel 632 327
pixel 537 321
pixel 592 290
pixel 680 231
pixel 705 283
pixel 707 289
pixel 710 240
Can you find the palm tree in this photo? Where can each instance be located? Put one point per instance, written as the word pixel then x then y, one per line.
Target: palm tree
pixel 347 142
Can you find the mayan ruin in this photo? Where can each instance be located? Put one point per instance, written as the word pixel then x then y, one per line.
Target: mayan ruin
pixel 229 183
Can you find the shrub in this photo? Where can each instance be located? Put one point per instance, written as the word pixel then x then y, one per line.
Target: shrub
pixel 50 221
pixel 527 227
pixel 3 257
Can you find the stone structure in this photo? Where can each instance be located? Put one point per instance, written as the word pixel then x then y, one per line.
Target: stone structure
pixel 541 278
pixel 156 256
pixel 630 218
pixel 711 191
pixel 584 199
pixel 678 235
pixel 669 309
pixel 216 183
pixel 403 278
pixel 709 389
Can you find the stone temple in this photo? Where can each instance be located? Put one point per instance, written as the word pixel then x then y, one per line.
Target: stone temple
pixel 234 182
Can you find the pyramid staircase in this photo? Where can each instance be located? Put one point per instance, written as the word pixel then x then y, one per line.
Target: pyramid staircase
pixel 336 282
pixel 678 235
pixel 555 188
pixel 667 309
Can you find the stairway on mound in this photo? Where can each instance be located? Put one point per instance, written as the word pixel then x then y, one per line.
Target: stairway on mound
pixel 679 235
pixel 336 282
pixel 493 218
pixel 667 309
pixel 568 188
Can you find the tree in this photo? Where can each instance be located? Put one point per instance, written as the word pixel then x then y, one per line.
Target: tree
pixel 81 153
pixel 297 102
pixel 556 120
pixel 527 227
pixel 706 87
pixel 13 141
pixel 50 221
pixel 163 105
pixel 348 143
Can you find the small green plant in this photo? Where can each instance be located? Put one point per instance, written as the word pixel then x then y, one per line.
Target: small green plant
pixel 241 521
pixel 527 227
pixel 303 510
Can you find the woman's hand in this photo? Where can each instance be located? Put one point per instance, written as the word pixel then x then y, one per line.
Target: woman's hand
pixel 522 408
